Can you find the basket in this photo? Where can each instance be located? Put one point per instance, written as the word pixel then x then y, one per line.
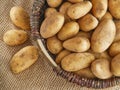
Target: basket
pixel 36 18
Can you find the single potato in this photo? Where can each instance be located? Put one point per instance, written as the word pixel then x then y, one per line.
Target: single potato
pixel 88 22
pixel 23 59
pixel 51 25
pixel 61 55
pixel 107 16
pixel 114 8
pixel 54 3
pixel 75 1
pixel 103 36
pixel 117 36
pixel 15 37
pixel 115 65
pixel 50 11
pixel 101 68
pixel 86 72
pixel 54 45
pixel 84 34
pixel 20 17
pixel 99 8
pixel 78 10
pixel 69 30
pixel 76 61
pixel 77 44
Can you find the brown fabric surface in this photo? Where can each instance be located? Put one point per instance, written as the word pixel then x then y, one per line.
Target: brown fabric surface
pixel 39 76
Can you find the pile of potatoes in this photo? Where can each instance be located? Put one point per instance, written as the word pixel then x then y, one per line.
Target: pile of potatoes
pixel 84 35
pixel 28 55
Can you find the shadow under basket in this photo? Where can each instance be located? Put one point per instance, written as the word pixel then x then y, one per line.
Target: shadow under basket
pixel 36 18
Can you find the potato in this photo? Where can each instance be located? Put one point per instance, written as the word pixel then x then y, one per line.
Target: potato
pixel 54 45
pixel 88 22
pixel 78 10
pixel 101 68
pixel 69 30
pixel 99 8
pixel 20 17
pixel 84 34
pixel 75 1
pixel 117 36
pixel 77 44
pixel 86 72
pixel 114 8
pixel 103 36
pixel 76 61
pixel 115 65
pixel 15 37
pixel 23 59
pixel 107 16
pixel 61 55
pixel 51 25
pixel 114 48
pixel 54 3
pixel 50 11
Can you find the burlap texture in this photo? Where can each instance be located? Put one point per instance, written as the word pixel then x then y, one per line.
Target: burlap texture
pixel 39 76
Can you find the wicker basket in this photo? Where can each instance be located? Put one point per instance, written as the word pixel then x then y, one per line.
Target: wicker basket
pixel 37 16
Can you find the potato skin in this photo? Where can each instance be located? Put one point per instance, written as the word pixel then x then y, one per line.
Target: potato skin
pixel 115 65
pixel 15 37
pixel 117 36
pixel 69 30
pixel 88 22
pixel 20 17
pixel 76 61
pixel 23 59
pixel 114 8
pixel 84 34
pixel 77 44
pixel 54 45
pixel 99 8
pixel 107 16
pixel 103 36
pixel 52 25
pixel 101 68
pixel 50 11
pixel 78 10
pixel 75 1
pixel 54 3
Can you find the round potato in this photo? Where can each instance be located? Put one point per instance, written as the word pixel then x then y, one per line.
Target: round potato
pixel 15 37
pixel 61 55
pixel 117 36
pixel 103 36
pixel 107 16
pixel 75 1
pixel 54 3
pixel 115 65
pixel 99 8
pixel 101 68
pixel 78 10
pixel 114 8
pixel 50 11
pixel 77 44
pixel 84 34
pixel 20 17
pixel 52 25
pixel 54 45
pixel 88 22
pixel 69 30
pixel 76 61
pixel 23 59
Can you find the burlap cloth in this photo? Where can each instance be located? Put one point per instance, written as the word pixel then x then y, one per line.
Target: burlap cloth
pixel 39 76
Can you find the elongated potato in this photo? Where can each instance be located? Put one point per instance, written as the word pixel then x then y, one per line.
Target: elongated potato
pixel 115 65
pixel 114 8
pixel 23 59
pixel 50 11
pixel 69 30
pixel 117 36
pixel 88 22
pixel 78 10
pixel 86 72
pixel 54 3
pixel 101 68
pixel 76 61
pixel 77 44
pixel 103 36
pixel 107 16
pixel 15 37
pixel 75 1
pixel 54 45
pixel 52 25
pixel 84 34
pixel 20 17
pixel 61 55
pixel 99 8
